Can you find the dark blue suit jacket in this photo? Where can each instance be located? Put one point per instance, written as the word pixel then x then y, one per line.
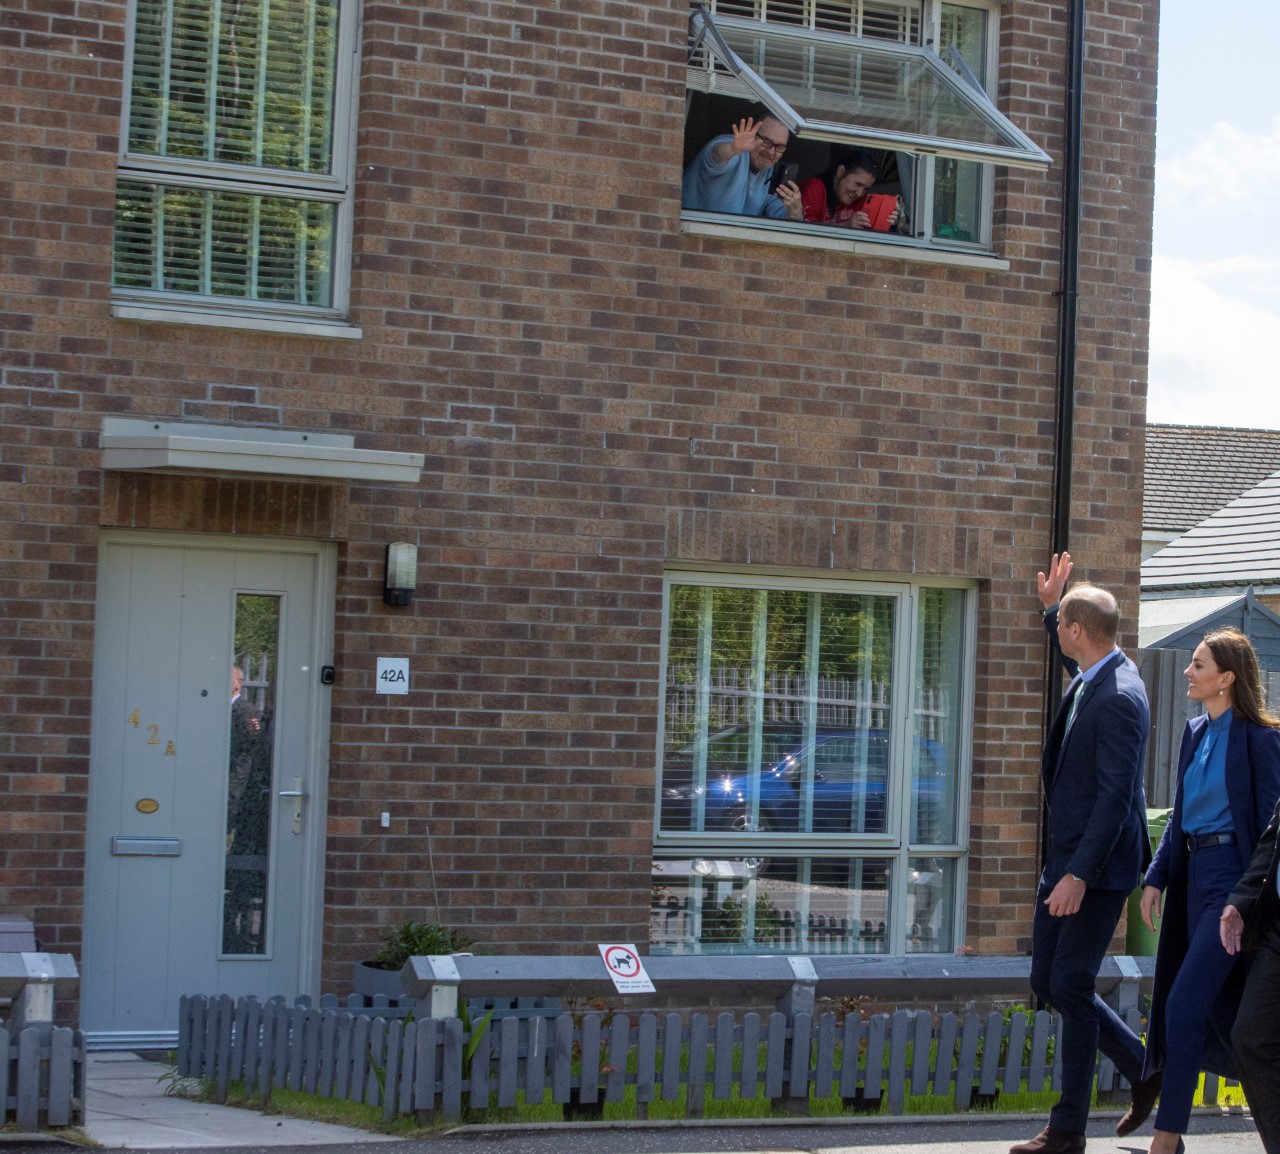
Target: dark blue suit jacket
pixel 1094 796
pixel 1253 785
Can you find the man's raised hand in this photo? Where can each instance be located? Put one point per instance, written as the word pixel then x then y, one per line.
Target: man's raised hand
pixel 1049 586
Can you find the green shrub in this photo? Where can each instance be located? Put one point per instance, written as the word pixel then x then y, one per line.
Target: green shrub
pixel 405 940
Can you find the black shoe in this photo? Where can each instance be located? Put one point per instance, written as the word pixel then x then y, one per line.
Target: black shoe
pixel 1051 1140
pixel 1145 1093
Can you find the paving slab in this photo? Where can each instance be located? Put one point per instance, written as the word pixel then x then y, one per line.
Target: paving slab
pixel 126 1105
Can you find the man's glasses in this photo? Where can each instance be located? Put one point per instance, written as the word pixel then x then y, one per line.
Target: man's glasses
pixel 771 145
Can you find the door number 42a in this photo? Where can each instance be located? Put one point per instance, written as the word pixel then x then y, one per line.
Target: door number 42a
pixel 393 675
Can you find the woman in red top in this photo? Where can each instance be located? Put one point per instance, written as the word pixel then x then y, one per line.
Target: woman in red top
pixel 838 197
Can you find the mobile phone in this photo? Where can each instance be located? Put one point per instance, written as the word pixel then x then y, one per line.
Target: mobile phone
pixel 789 172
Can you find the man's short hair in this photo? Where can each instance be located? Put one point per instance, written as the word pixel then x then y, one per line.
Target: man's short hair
pixel 1094 610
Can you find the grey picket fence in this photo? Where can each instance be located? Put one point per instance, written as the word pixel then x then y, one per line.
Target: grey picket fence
pixel 42 1077
pixel 428 1067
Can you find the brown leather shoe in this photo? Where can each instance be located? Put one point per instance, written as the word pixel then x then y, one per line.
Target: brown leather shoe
pixel 1051 1140
pixel 1145 1094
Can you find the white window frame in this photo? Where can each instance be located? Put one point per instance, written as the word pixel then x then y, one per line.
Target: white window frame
pixel 336 187
pixel 989 81
pixel 926 246
pixel 895 843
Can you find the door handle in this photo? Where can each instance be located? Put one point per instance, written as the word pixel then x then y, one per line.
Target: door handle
pixel 297 793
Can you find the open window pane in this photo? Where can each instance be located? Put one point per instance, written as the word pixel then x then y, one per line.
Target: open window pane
pixel 865 91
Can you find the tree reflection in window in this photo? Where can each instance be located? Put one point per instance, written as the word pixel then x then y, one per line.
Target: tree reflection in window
pixel 249 784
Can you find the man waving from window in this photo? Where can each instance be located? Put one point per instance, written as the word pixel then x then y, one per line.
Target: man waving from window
pixel 732 173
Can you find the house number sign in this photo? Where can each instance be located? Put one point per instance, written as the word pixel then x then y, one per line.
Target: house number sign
pixel 153 733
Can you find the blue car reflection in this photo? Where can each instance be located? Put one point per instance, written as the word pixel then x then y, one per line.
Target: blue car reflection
pixel 833 782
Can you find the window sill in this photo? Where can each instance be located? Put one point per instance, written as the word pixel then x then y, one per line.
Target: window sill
pixel 817 237
pixel 261 323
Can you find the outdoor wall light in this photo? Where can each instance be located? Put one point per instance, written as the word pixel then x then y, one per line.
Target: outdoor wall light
pixel 402 573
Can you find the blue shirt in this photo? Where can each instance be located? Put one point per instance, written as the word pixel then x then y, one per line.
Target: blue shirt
pixel 1205 807
pixel 730 187
pixel 1089 674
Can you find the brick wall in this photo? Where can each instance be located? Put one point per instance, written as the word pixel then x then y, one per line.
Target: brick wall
pixel 596 394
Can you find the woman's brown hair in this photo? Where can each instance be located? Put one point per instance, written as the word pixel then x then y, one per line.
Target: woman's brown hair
pixel 1233 653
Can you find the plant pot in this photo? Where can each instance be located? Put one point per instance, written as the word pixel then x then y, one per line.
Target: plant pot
pixel 371 980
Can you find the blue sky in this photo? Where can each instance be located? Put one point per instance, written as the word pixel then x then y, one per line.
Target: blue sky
pixel 1215 312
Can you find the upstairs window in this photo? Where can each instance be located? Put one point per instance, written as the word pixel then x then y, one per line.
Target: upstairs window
pixel 900 88
pixel 234 182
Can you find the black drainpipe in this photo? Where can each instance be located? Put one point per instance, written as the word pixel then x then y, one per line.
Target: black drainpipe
pixel 1068 295
pixel 1069 292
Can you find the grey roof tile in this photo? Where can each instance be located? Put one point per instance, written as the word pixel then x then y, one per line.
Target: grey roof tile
pixel 1192 471
pixel 1237 545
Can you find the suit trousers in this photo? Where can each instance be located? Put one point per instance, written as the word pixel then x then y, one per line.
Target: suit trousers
pixel 1256 1040
pixel 1065 956
pixel 1188 1015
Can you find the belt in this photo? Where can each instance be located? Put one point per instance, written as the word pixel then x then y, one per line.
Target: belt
pixel 1205 840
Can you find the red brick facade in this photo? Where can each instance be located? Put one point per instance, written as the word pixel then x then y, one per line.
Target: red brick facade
pixel 597 394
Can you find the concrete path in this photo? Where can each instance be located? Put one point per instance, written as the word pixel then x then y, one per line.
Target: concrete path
pixel 127 1106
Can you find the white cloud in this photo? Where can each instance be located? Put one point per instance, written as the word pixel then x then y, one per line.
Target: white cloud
pixel 1215 292
pixel 1214 348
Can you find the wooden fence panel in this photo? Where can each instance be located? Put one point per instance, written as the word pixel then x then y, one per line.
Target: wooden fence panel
pixel 41 1076
pixel 946 1051
pixel 853 1033
pixel 451 1070
pixel 1038 1068
pixel 562 1061
pixel 672 1037
pixel 722 1075
pixel 749 1071
pixel 535 1063
pixel 409 1054
pixel 615 1088
pixel 360 1059
pixel 801 1046
pixel 59 1091
pixel 27 1113
pixel 825 1064
pixel 647 1063
pixel 391 1070
pixel 426 1072
pixel 508 1060
pixel 921 1045
pixel 873 1079
pixel 987 1079
pixel 899 1024
pixel 775 1053
pixel 226 1031
pixel 419 1066
pixel 1016 1049
pixel 695 1105
pixel 589 1079
pixel 478 1070
pixel 967 1060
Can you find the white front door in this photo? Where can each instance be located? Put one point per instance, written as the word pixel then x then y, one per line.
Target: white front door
pixel 207 776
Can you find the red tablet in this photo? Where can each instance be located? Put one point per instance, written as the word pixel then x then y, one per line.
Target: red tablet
pixel 879 207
